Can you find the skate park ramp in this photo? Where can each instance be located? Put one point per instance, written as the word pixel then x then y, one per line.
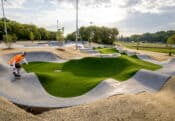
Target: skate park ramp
pixel 89 50
pixel 142 81
pixel 116 55
pixel 3 69
pixel 149 59
pixel 168 65
pixel 36 56
pixel 145 57
pixel 28 91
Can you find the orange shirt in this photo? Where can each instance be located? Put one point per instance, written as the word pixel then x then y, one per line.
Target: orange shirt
pixel 16 58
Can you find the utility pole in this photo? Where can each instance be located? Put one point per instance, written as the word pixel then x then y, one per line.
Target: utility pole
pixel 5 25
pixel 77 32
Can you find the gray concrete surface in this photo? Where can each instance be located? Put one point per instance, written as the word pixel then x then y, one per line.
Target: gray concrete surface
pixel 149 59
pixel 36 56
pixel 168 65
pixel 115 55
pixel 89 50
pixel 29 92
pixel 127 52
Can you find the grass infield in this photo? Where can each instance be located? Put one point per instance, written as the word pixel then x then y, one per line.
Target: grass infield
pixel 107 50
pixel 76 77
pixel 154 47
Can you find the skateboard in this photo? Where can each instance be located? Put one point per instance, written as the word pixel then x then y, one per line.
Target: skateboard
pixel 15 78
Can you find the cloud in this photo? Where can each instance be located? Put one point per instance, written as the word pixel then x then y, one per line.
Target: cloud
pixel 147 22
pixel 87 3
pixel 152 6
pixel 125 3
pixel 132 2
pixel 130 16
pixel 13 3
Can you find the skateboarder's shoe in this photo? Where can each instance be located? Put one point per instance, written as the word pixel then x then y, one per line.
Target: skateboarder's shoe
pixel 16 75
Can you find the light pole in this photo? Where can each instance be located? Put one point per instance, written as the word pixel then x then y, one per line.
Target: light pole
pixel 60 34
pixel 5 25
pixel 91 34
pixel 77 33
pixel 57 25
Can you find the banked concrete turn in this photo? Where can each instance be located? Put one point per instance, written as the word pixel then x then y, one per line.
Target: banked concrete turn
pixel 29 92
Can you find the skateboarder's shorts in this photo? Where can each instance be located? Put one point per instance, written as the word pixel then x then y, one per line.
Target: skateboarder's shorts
pixel 17 65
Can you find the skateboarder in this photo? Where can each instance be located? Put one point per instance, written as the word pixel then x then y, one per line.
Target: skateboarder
pixel 15 63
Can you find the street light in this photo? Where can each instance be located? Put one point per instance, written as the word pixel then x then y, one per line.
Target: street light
pixel 60 34
pixel 77 33
pixel 91 34
pixel 5 25
pixel 57 25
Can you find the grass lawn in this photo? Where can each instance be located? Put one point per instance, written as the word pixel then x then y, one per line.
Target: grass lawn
pixel 161 50
pixel 107 50
pixel 79 76
pixel 154 47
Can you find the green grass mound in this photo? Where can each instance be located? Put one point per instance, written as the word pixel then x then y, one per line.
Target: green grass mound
pixel 76 77
pixel 107 50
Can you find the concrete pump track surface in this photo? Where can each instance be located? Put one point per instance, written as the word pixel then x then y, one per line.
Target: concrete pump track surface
pixel 29 92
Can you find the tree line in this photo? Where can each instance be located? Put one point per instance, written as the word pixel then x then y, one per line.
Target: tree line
pixel 160 37
pixel 18 31
pixel 96 34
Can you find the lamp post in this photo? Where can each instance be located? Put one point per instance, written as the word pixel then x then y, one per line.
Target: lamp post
pixel 60 34
pixel 5 25
pixel 57 25
pixel 77 32
pixel 91 34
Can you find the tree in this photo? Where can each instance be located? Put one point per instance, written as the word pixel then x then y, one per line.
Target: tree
pixel 8 40
pixel 59 36
pixel 31 36
pixel 14 37
pixel 96 34
pixel 171 41
pixel 1 30
pixel 22 31
pixel 160 37
pixel 71 36
pixel 137 39
pixel 44 34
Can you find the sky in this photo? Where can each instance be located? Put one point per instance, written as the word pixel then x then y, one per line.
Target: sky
pixel 128 16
